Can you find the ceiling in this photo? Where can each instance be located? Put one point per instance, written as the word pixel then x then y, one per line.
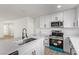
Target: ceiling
pixel 15 11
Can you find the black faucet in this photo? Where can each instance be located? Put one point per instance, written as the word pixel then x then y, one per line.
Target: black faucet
pixel 24 33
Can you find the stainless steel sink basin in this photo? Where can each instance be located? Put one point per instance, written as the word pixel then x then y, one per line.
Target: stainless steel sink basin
pixel 27 40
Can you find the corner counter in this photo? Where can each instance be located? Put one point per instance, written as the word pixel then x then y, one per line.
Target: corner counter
pixel 75 43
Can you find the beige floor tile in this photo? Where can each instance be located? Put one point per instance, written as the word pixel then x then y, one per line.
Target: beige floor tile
pixel 48 51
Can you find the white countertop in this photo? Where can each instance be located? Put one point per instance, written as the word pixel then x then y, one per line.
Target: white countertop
pixel 75 42
pixel 9 46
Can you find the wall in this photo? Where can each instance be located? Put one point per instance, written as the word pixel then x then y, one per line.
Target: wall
pixel 18 25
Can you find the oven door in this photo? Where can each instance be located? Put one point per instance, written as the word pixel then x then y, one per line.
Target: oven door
pixel 56 43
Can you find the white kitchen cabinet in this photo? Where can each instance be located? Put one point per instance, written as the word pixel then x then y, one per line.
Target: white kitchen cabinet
pixel 42 22
pixel 48 21
pixel 46 42
pixel 45 22
pixel 73 52
pixel 69 18
pixel 66 45
pixel 45 32
pixel 60 16
pixel 57 16
pixel 37 26
pixel 35 47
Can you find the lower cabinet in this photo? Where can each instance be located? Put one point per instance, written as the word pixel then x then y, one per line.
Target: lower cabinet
pixel 73 52
pixel 46 42
pixel 32 48
pixel 66 45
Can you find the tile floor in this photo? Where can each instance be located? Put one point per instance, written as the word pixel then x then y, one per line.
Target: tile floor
pixel 48 51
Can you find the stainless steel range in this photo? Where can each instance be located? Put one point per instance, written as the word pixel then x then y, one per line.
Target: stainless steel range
pixel 56 40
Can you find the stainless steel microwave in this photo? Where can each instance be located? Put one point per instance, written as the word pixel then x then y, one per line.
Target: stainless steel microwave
pixel 57 24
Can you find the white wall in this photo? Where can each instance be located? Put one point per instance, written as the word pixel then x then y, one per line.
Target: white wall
pixel 18 25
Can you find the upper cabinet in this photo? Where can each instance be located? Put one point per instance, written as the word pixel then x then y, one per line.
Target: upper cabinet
pixel 57 16
pixel 42 22
pixel 69 18
pixel 45 22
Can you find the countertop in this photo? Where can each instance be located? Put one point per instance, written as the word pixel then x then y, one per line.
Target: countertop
pixel 75 42
pixel 9 46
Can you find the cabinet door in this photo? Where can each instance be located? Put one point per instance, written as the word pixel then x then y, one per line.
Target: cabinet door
pixel 69 18
pixel 42 22
pixel 45 22
pixel 32 48
pixel 74 52
pixel 66 45
pixel 36 25
pixel 60 16
pixel 46 42
pixel 48 21
pixel 26 49
pixel 57 16
pixel 39 46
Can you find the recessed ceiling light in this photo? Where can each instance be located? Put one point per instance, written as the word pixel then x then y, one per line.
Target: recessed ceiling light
pixel 59 6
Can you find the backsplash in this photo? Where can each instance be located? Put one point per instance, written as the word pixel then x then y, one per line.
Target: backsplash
pixel 71 32
pixel 66 31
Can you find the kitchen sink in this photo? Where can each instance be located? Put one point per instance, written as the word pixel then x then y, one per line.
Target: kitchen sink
pixel 27 40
